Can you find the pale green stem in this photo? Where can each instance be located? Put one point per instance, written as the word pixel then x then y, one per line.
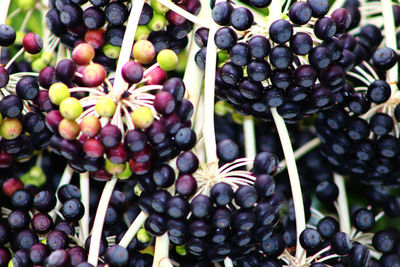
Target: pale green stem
pixel 65 179
pixel 228 262
pixel 132 230
pixel 126 48
pixel 293 177
pixel 342 205
pixel 209 91
pixel 84 185
pixel 98 224
pixel 11 61
pixel 304 149
pixel 161 251
pixel 26 19
pixel 249 138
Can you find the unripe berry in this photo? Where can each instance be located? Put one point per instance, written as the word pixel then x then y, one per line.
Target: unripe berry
pixel 143 51
pixel 32 43
pixel 142 117
pixel 93 75
pixel 68 129
pixel 113 168
pixel 83 53
pixel 90 126
pixel 167 59
pixel 71 108
pixel 105 106
pixel 58 92
pixel 10 128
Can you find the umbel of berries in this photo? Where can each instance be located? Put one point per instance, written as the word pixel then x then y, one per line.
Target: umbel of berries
pixel 297 64
pixel 226 206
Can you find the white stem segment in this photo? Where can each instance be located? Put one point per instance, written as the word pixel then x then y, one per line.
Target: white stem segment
pixel 343 208
pixel 194 76
pixel 304 149
pixel 390 38
pixel 293 177
pixel 249 138
pixel 184 13
pixel 275 11
pixel 126 48
pixel 209 92
pixel 65 179
pixel 228 262
pixel 84 184
pixel 132 230
pixel 98 224
pixel 161 251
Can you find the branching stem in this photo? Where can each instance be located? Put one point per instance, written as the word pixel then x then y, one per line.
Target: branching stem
pixel 343 208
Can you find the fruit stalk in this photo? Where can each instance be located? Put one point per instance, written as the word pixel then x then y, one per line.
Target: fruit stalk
pixel 342 207
pixel 209 92
pixel 193 77
pixel 84 186
pixel 161 251
pixel 249 138
pixel 132 230
pixel 126 48
pixel 390 39
pixel 98 224
pixel 304 149
pixel 293 177
pixel 184 13
pixel 65 179
pixel 228 262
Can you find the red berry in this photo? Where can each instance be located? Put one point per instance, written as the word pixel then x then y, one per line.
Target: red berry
pixel 32 43
pixel 93 75
pixel 83 54
pixel 95 38
pixel 12 185
pixel 156 76
pixel 93 148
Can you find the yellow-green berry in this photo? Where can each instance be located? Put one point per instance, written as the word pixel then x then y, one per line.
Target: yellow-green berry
pixel 111 51
pixel 167 59
pixel 157 22
pixel 71 108
pixel 105 106
pixel 142 33
pixel 143 236
pixel 114 168
pixel 47 57
pixel 58 92
pixel 142 117
pixel 10 128
pixel 38 65
pixel 126 174
pixel 158 7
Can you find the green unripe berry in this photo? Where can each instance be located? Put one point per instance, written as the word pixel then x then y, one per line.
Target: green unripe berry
pixel 238 118
pixel 38 65
pixel 142 117
pixel 26 4
pixel 167 59
pixel 138 191
pixel 143 51
pixel 111 51
pixel 220 108
pixel 114 168
pixel 19 38
pixel 31 57
pixel 58 92
pixel 35 177
pixel 10 128
pixel 71 108
pixel 182 62
pixel 126 174
pixel 157 23
pixel 181 250
pixel 47 57
pixel 158 7
pixel 143 236
pixel 105 107
pixel 142 33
